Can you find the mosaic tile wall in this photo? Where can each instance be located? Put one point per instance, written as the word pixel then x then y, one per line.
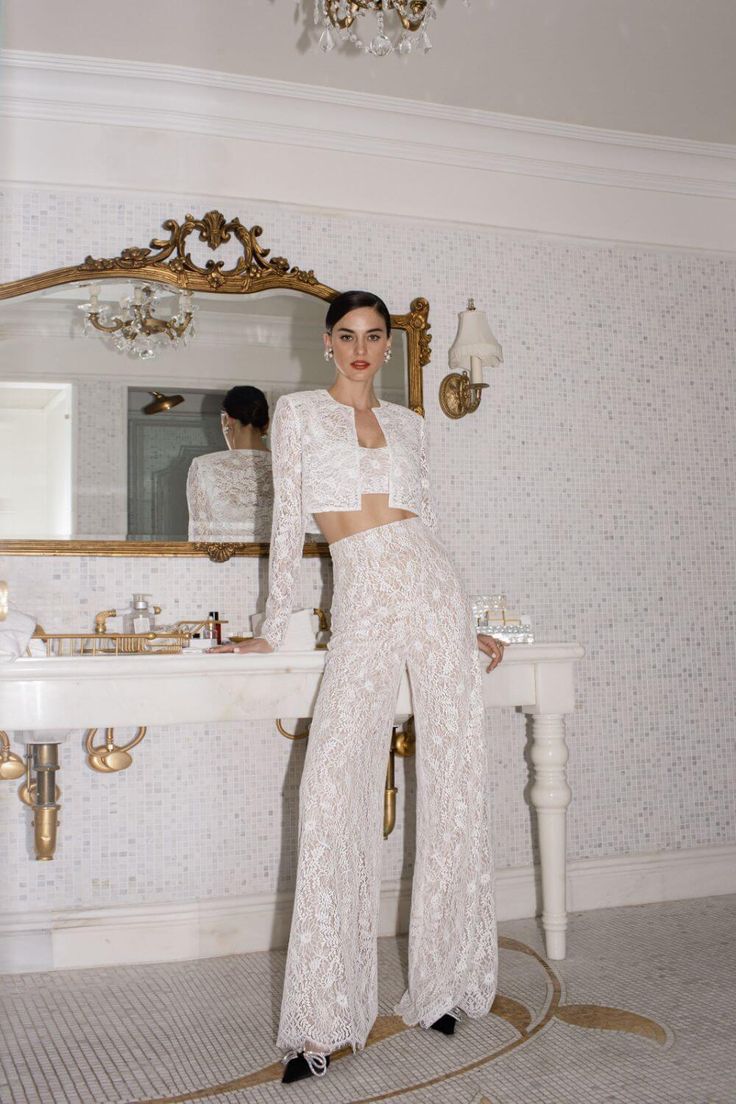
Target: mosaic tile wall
pixel 100 459
pixel 592 487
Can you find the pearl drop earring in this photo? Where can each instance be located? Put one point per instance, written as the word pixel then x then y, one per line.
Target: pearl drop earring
pixel 329 354
pixel 387 355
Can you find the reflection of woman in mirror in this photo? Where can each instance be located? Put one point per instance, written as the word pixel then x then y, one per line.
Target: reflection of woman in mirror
pixel 360 466
pixel 230 493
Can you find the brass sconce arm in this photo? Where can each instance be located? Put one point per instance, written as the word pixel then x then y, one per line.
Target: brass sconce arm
pixel 458 396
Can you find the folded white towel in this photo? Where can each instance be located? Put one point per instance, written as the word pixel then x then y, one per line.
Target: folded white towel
pixel 15 632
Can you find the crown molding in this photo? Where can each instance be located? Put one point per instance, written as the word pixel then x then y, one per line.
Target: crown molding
pixel 108 93
pixel 210 78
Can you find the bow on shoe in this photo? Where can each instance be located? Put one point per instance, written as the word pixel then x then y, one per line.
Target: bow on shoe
pixel 304 1063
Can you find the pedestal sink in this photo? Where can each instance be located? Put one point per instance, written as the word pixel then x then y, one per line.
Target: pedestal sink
pixel 48 700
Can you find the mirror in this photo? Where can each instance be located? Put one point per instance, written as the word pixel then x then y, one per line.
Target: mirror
pixel 115 441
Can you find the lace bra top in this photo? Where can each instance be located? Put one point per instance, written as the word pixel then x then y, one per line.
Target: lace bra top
pixel 375 470
pixel 319 465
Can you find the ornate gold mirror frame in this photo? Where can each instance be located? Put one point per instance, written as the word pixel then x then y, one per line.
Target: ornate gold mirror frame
pixel 169 262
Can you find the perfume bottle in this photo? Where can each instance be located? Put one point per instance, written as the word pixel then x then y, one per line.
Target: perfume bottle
pixel 139 618
pixel 214 617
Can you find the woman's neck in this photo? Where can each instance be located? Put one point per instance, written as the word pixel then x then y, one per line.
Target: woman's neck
pixel 359 395
pixel 247 437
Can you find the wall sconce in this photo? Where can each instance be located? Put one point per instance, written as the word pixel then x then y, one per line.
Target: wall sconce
pixel 161 402
pixel 474 348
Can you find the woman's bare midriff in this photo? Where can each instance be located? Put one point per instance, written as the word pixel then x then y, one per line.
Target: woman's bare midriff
pixel 374 511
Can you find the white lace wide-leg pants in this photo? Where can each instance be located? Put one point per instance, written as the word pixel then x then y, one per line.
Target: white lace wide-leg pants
pixel 397 600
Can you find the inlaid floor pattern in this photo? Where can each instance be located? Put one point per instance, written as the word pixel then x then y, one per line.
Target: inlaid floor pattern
pixel 640 1012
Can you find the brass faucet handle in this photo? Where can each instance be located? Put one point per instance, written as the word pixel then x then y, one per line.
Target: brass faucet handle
pixel 108 757
pixel 101 620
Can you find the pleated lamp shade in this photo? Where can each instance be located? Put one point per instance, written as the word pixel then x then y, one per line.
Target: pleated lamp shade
pixel 474 338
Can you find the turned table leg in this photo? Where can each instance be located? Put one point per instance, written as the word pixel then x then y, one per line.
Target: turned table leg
pixel 550 796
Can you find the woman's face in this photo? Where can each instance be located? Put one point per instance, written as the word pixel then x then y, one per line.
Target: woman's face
pixel 359 343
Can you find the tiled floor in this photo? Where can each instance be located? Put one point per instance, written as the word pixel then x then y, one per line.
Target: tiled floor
pixel 641 1012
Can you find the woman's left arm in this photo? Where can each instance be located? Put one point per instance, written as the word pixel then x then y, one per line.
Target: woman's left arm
pixel 427 515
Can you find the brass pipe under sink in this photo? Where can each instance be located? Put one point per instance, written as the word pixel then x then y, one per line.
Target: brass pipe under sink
pixel 42 795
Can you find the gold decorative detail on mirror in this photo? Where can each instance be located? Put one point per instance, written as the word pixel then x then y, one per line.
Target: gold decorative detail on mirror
pixel 173 261
pixel 221 551
pixel 214 231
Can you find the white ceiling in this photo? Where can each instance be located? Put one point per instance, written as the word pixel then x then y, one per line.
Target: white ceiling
pixel 651 66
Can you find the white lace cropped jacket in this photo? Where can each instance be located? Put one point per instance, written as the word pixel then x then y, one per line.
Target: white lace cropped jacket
pixel 316 467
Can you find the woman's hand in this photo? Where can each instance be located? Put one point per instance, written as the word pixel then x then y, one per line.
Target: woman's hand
pixel 492 647
pixel 257 644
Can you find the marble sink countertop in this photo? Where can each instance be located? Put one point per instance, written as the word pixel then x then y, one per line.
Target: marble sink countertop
pixel 82 692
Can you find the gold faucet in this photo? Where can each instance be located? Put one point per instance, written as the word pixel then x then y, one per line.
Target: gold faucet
pixel 101 620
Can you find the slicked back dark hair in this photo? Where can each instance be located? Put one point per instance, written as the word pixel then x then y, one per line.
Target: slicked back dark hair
pixel 248 404
pixel 353 300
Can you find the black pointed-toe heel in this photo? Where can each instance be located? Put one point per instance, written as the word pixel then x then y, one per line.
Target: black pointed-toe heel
pixel 300 1065
pixel 445 1024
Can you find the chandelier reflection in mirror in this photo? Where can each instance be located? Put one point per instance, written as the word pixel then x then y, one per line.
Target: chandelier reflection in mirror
pixel 408 23
pixel 135 327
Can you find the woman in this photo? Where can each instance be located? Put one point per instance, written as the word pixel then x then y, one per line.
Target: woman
pixel 230 494
pixel 360 466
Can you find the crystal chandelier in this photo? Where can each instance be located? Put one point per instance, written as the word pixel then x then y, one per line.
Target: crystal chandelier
pixel 135 328
pixel 409 25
